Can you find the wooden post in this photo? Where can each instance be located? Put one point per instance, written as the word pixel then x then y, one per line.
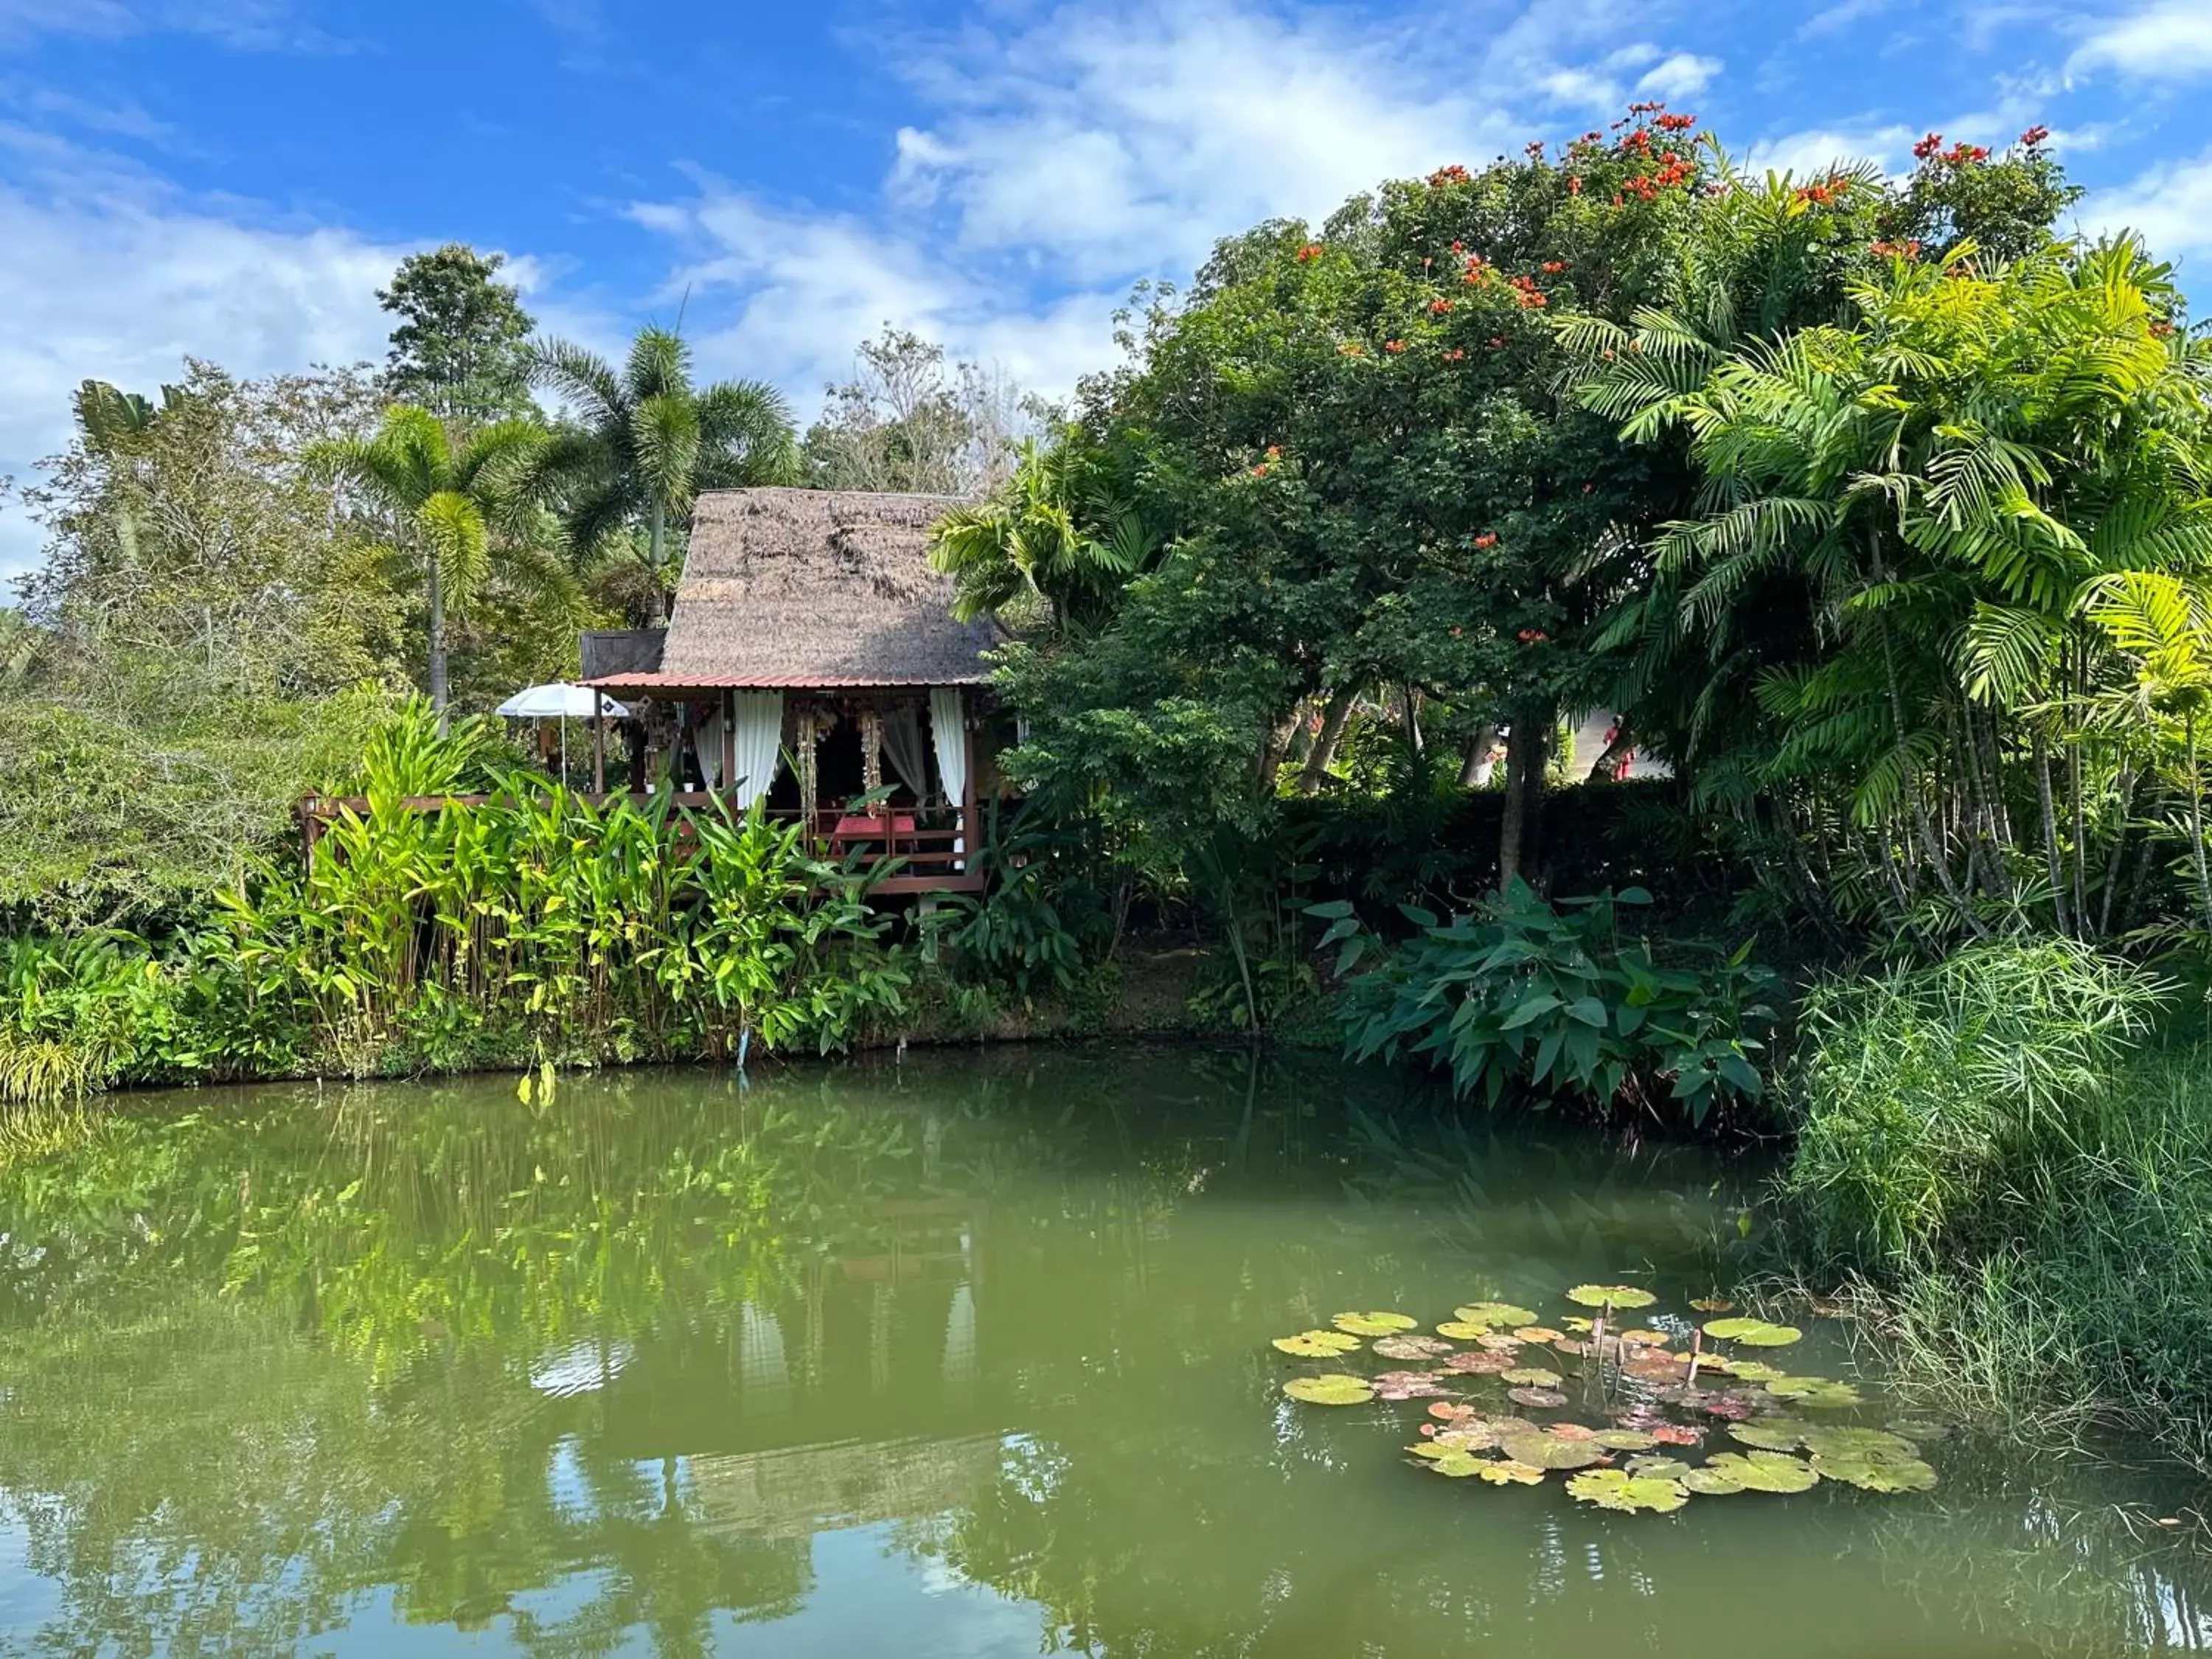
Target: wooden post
pixel 729 742
pixel 599 742
pixel 967 824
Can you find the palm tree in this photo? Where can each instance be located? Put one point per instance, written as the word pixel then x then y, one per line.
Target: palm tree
pixel 646 442
pixel 458 516
pixel 1051 534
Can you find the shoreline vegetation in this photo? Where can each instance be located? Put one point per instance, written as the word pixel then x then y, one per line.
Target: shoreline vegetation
pixel 1869 519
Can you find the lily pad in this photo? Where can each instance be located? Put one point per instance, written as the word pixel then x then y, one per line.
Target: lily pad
pixel 1412 1348
pixel 1458 1464
pixel 1493 1313
pixel 1658 1469
pixel 1317 1344
pixel 1538 1334
pixel 1613 1489
pixel 1576 1322
pixel 1450 1411
pixel 1498 1342
pixel 1710 1482
pixel 1374 1324
pixel 1814 1391
pixel 1409 1385
pixel 1570 1431
pixel 1333 1390
pixel 1712 1304
pixel 1512 1471
pixel 1618 1296
pixel 1646 1338
pixel 1748 1370
pixel 1779 1435
pixel 1539 1450
pixel 1883 1475
pixel 1479 1362
pixel 1765 1471
pixel 1532 1376
pixel 1859 1445
pixel 1541 1399
pixel 1676 1434
pixel 1754 1332
pixel 1921 1428
pixel 1729 1407
pixel 1475 1435
pixel 1626 1440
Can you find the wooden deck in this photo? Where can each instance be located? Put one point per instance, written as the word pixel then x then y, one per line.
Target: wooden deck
pixel 925 857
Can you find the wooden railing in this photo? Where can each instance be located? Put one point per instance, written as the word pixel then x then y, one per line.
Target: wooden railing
pixel 933 851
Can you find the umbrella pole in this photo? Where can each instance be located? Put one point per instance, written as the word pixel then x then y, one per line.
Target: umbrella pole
pixel 564 752
pixel 599 743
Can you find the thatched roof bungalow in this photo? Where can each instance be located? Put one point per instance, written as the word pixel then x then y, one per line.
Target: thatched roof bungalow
pixel 813 658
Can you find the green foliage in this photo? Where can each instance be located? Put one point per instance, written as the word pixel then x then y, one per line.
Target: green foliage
pixel 1551 1003
pixel 459 347
pixel 1927 1093
pixel 911 421
pixel 1014 934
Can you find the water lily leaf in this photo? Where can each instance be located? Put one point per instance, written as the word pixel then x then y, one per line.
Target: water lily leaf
pixel 1748 1370
pixel 1645 1338
pixel 1409 1385
pixel 1626 1440
pixel 1475 1435
pixel 1317 1344
pixel 1498 1342
pixel 1765 1471
pixel 1513 1471
pixel 1458 1464
pixel 1648 1367
pixel 1859 1445
pixel 1479 1362
pixel 1884 1476
pixel 1493 1313
pixel 1921 1428
pixel 1729 1407
pixel 1543 1398
pixel 1434 1449
pixel 1712 1304
pixel 1754 1332
pixel 1412 1348
pixel 1676 1434
pixel 1619 1296
pixel 1612 1489
pixel 1779 1434
pixel 1710 1482
pixel 1374 1324
pixel 1658 1469
pixel 1570 1431
pixel 1532 1446
pixel 1334 1389
pixel 1532 1376
pixel 1578 1324
pixel 1814 1391
pixel 1538 1334
pixel 1448 1411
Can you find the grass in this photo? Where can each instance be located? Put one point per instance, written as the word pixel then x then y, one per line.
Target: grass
pixel 2016 1179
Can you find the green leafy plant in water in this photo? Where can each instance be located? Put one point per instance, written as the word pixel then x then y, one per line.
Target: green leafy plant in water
pixel 1531 1376
pixel 1374 1324
pixel 1612 1489
pixel 1764 1471
pixel 1815 1393
pixel 1771 1436
pixel 1335 1388
pixel 1317 1344
pixel 1512 1472
pixel 1754 1332
pixel 1617 1295
pixel 1499 1314
pixel 1523 995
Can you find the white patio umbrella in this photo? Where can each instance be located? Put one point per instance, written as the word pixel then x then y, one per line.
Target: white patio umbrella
pixel 564 703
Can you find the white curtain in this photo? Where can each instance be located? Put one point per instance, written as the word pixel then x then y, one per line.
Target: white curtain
pixel 708 739
pixel 758 730
pixel 948 735
pixel 761 1363
pixel 902 748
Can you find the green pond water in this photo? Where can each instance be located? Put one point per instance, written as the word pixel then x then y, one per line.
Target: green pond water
pixel 964 1357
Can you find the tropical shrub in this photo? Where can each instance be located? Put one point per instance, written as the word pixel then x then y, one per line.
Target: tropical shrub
pixel 1551 1002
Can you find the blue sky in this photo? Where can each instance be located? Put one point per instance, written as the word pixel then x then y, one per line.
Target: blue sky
pixel 233 179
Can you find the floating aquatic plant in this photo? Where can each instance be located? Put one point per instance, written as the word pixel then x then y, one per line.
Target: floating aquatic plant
pixel 1779 1434
pixel 1374 1324
pixel 1607 1296
pixel 1541 1399
pixel 1412 1347
pixel 1333 1390
pixel 1317 1344
pixel 1814 1391
pixel 1512 1472
pixel 1712 1304
pixel 1538 1334
pixel 1764 1471
pixel 1532 1446
pixel 1615 1489
pixel 1754 1332
pixel 1532 1376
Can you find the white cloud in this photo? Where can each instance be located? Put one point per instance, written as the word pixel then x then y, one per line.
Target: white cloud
pixel 2171 206
pixel 1684 75
pixel 1818 149
pixel 2171 39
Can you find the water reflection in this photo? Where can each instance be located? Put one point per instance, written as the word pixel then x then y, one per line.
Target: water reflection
pixel 963 1356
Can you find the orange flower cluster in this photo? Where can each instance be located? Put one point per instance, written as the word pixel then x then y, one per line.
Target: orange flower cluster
pixel 1677 123
pixel 1350 349
pixel 1532 636
pixel 1261 471
pixel 1497 342
pixel 1574 186
pixel 1438 307
pixel 2163 329
pixel 1526 291
pixel 1534 150
pixel 1274 452
pixel 1311 251
pixel 1454 174
pixel 1455 355
pixel 1553 267
pixel 1895 250
pixel 1394 346
pixel 2034 135
pixel 1829 190
pixel 1488 538
pixel 1960 155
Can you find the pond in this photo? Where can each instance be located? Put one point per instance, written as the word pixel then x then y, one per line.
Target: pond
pixel 968 1356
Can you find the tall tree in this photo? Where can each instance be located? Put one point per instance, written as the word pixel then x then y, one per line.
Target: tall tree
pixel 643 441
pixel 461 349
pixel 912 419
pixel 454 511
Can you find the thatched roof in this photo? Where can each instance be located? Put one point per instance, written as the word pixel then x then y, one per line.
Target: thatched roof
pixel 814 587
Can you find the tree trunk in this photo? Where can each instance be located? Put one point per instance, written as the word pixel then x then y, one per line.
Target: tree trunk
pixel 2197 824
pixel 437 642
pixel 1324 750
pixel 1527 751
pixel 1623 741
pixel 1474 770
pixel 2050 833
pixel 658 537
